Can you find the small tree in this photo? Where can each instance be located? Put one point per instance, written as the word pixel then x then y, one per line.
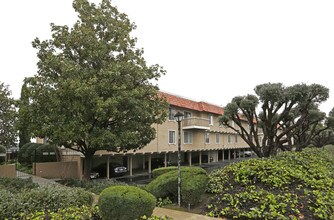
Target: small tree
pixel 23 119
pixel 94 90
pixel 7 117
pixel 283 110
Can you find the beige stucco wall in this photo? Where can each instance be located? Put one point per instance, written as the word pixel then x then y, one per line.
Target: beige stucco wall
pixel 8 170
pixel 62 170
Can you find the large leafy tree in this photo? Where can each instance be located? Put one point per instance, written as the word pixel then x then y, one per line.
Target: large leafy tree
pixel 268 120
pixel 324 132
pixel 94 90
pixel 8 117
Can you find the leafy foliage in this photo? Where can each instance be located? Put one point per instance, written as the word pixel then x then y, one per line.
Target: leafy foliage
pixel 116 202
pixel 94 90
pixel 23 116
pixel 8 116
pixel 92 186
pixel 193 184
pixel 292 185
pixel 49 198
pixel 16 185
pixel 285 112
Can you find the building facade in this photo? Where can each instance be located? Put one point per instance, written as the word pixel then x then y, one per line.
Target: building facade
pixel 203 139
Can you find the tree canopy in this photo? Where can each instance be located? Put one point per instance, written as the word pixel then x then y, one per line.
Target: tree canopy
pixel 94 90
pixel 271 118
pixel 8 115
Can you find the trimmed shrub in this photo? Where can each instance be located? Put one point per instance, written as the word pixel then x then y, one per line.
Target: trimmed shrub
pixel 15 185
pixel 125 202
pixel 92 186
pixel 71 213
pixel 194 170
pixel 31 152
pixel 22 155
pixel 49 198
pixel 193 185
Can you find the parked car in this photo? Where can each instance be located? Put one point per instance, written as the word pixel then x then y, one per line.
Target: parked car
pixel 248 153
pixel 94 175
pixel 115 169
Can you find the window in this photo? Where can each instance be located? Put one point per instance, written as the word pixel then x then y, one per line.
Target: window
pixel 187 114
pixel 236 138
pixel 207 138
pixel 171 114
pixel 217 138
pixel 229 138
pixel 210 119
pixel 187 135
pixel 171 137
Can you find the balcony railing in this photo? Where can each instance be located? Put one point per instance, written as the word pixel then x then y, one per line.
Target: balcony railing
pixel 196 123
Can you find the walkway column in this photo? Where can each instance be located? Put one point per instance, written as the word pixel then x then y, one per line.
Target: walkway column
pixel 150 163
pixel 189 158
pixel 209 156
pixel 166 159
pixel 239 153
pixel 130 164
pixel 108 171
pixel 223 154
pixel 144 162
pixel 229 154
pixel 200 158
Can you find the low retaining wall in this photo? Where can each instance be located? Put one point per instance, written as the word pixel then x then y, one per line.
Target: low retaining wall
pixel 58 170
pixel 8 170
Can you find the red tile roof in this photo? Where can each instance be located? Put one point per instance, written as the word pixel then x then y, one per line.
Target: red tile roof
pixel 190 104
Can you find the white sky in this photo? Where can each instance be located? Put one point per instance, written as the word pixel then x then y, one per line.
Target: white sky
pixel 212 50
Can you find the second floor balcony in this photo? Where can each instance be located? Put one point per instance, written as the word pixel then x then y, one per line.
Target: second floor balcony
pixel 195 123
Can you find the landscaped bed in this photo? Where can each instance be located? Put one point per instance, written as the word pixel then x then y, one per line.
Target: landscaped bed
pixel 293 185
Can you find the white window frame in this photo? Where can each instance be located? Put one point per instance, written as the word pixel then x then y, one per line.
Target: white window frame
pixel 169 133
pixel 217 138
pixel 188 140
pixel 229 138
pixel 187 113
pixel 236 138
pixel 171 113
pixel 210 119
pixel 207 137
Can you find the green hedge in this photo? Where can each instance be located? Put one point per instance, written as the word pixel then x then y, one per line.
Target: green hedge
pixel 293 185
pixel 194 170
pixel 16 185
pixel 49 197
pixel 47 153
pixel 193 184
pixel 125 202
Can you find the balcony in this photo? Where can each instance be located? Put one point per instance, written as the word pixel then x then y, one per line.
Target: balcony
pixel 195 123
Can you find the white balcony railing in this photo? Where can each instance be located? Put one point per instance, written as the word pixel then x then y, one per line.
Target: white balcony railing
pixel 195 123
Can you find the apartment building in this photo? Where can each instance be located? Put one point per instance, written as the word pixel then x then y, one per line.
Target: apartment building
pixel 203 140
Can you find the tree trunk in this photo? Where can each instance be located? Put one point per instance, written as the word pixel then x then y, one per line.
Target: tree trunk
pixel 88 164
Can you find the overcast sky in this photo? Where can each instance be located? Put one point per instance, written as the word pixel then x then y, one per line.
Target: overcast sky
pixel 212 50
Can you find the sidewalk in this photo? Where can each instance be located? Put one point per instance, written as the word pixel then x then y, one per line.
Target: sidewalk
pixel 179 215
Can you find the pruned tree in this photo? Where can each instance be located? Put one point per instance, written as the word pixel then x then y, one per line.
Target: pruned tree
pixel 264 120
pixel 93 90
pixel 8 117
pixel 325 134
pixel 23 116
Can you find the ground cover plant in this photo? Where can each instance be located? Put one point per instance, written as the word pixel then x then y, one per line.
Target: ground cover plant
pixel 293 185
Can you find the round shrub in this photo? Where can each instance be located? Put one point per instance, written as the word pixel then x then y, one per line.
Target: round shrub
pixel 193 185
pixel 22 155
pixel 125 203
pixel 31 152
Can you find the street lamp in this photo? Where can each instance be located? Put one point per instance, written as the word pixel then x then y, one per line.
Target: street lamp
pixel 178 117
